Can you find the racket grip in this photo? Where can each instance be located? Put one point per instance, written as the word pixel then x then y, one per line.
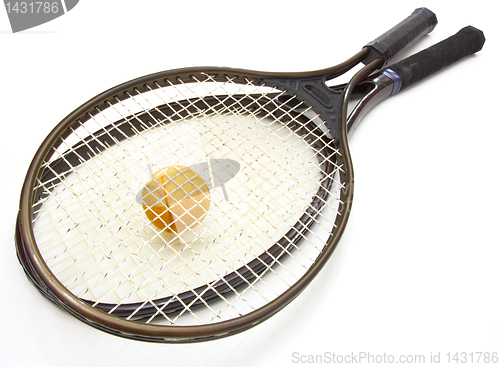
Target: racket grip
pixel 467 41
pixel 417 25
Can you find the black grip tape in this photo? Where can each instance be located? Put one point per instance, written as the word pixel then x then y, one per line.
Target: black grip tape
pixel 418 24
pixel 467 41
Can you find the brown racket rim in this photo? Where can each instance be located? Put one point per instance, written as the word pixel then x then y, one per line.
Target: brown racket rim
pixel 162 333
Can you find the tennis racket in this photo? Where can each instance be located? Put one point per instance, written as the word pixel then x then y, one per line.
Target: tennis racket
pixel 193 204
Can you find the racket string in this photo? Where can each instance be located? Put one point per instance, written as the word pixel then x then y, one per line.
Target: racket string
pixel 228 116
pixel 203 114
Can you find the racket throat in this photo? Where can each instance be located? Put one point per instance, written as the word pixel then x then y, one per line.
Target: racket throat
pixel 379 88
pixel 314 93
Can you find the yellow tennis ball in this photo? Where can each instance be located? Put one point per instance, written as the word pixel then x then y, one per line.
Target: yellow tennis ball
pixel 175 198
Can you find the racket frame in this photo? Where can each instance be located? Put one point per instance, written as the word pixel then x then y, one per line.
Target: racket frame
pixel 307 86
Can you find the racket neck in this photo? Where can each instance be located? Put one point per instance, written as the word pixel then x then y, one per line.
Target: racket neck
pixel 372 91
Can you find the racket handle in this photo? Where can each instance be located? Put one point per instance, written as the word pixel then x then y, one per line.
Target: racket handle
pixel 417 25
pixel 467 41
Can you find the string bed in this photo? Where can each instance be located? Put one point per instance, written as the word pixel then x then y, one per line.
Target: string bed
pixel 267 196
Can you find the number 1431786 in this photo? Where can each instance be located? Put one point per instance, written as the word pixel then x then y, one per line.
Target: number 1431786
pixel 32 7
pixel 472 357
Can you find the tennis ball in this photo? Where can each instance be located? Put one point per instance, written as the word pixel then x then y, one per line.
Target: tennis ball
pixel 175 198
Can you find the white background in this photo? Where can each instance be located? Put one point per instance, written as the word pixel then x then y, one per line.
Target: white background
pixel 417 270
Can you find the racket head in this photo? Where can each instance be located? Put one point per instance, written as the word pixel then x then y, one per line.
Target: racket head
pixel 100 153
